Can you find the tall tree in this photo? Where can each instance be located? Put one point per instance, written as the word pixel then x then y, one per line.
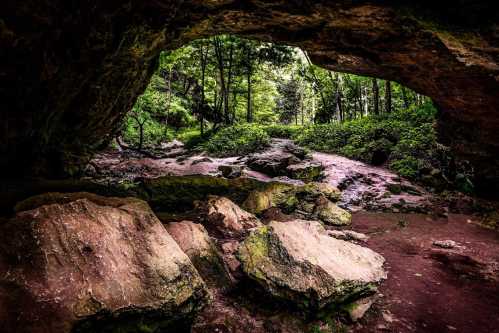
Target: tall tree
pixel 203 56
pixel 388 96
pixel 375 96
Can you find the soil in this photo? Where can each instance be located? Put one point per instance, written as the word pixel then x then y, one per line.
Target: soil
pixel 430 289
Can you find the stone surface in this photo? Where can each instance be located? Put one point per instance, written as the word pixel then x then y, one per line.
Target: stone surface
pixel 348 235
pixel 225 218
pixel 330 213
pixel 306 171
pixel 310 201
pixel 445 244
pixel 356 310
pixel 194 240
pixel 94 265
pixel 231 171
pixel 299 262
pixel 272 163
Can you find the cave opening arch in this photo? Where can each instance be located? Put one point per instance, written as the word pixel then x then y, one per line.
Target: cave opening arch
pixel 88 64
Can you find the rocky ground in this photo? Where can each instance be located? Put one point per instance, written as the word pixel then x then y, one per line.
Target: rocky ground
pixel 284 240
pixel 362 186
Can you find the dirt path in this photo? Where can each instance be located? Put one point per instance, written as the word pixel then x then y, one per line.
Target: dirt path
pixel 430 289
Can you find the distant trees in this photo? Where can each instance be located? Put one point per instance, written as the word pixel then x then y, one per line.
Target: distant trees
pixel 225 80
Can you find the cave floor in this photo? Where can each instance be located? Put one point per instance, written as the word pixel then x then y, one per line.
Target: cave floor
pixel 430 289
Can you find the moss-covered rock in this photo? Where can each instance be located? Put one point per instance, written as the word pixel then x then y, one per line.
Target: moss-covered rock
pixel 330 213
pixel 305 171
pixel 299 262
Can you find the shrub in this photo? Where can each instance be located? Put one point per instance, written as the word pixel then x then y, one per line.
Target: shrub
pixel 154 133
pixel 282 131
pixel 237 140
pixel 405 139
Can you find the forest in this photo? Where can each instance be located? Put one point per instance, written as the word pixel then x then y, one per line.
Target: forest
pixel 229 95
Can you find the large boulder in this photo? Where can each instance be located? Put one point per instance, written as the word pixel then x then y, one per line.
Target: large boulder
pixel 299 262
pixel 194 240
pixel 284 158
pixel 224 218
pixel 94 265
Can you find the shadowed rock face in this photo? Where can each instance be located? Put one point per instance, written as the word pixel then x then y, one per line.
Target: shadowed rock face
pixel 69 72
pixel 93 264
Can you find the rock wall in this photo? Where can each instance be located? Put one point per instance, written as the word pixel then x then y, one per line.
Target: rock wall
pixel 70 71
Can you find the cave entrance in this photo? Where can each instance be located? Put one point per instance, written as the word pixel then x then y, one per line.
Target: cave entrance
pixel 227 80
pixel 232 97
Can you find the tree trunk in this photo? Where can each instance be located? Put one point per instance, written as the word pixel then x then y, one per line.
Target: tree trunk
pixel 388 96
pixel 359 99
pixel 167 111
pixel 316 80
pixel 217 42
pixel 249 70
pixel 228 86
pixel 204 58
pixel 404 97
pixel 339 105
pixel 375 97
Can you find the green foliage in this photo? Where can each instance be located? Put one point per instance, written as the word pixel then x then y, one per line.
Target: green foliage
pixel 405 140
pixel 154 132
pixel 227 80
pixel 282 131
pixel 237 140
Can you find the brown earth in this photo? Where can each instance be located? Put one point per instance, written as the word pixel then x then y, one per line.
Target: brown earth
pixel 430 289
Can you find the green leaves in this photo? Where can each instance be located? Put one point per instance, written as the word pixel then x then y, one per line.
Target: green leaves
pixel 237 140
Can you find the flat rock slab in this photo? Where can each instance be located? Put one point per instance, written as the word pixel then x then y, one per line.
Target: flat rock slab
pixel 298 261
pixel 88 266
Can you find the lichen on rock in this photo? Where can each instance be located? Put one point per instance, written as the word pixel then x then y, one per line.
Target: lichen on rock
pixel 299 262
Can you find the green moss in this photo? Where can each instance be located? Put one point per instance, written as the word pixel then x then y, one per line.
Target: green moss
pixel 255 250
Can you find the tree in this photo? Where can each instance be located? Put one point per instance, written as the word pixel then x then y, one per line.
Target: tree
pixel 288 105
pixel 375 96
pixel 388 97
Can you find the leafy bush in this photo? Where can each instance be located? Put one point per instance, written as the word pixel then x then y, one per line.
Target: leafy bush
pixel 282 131
pixel 237 140
pixel 154 133
pixel 405 140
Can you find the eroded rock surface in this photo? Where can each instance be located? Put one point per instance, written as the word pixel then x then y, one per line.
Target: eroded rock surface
pixel 285 159
pixel 91 265
pixel 299 262
pixel 195 241
pixel 226 218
